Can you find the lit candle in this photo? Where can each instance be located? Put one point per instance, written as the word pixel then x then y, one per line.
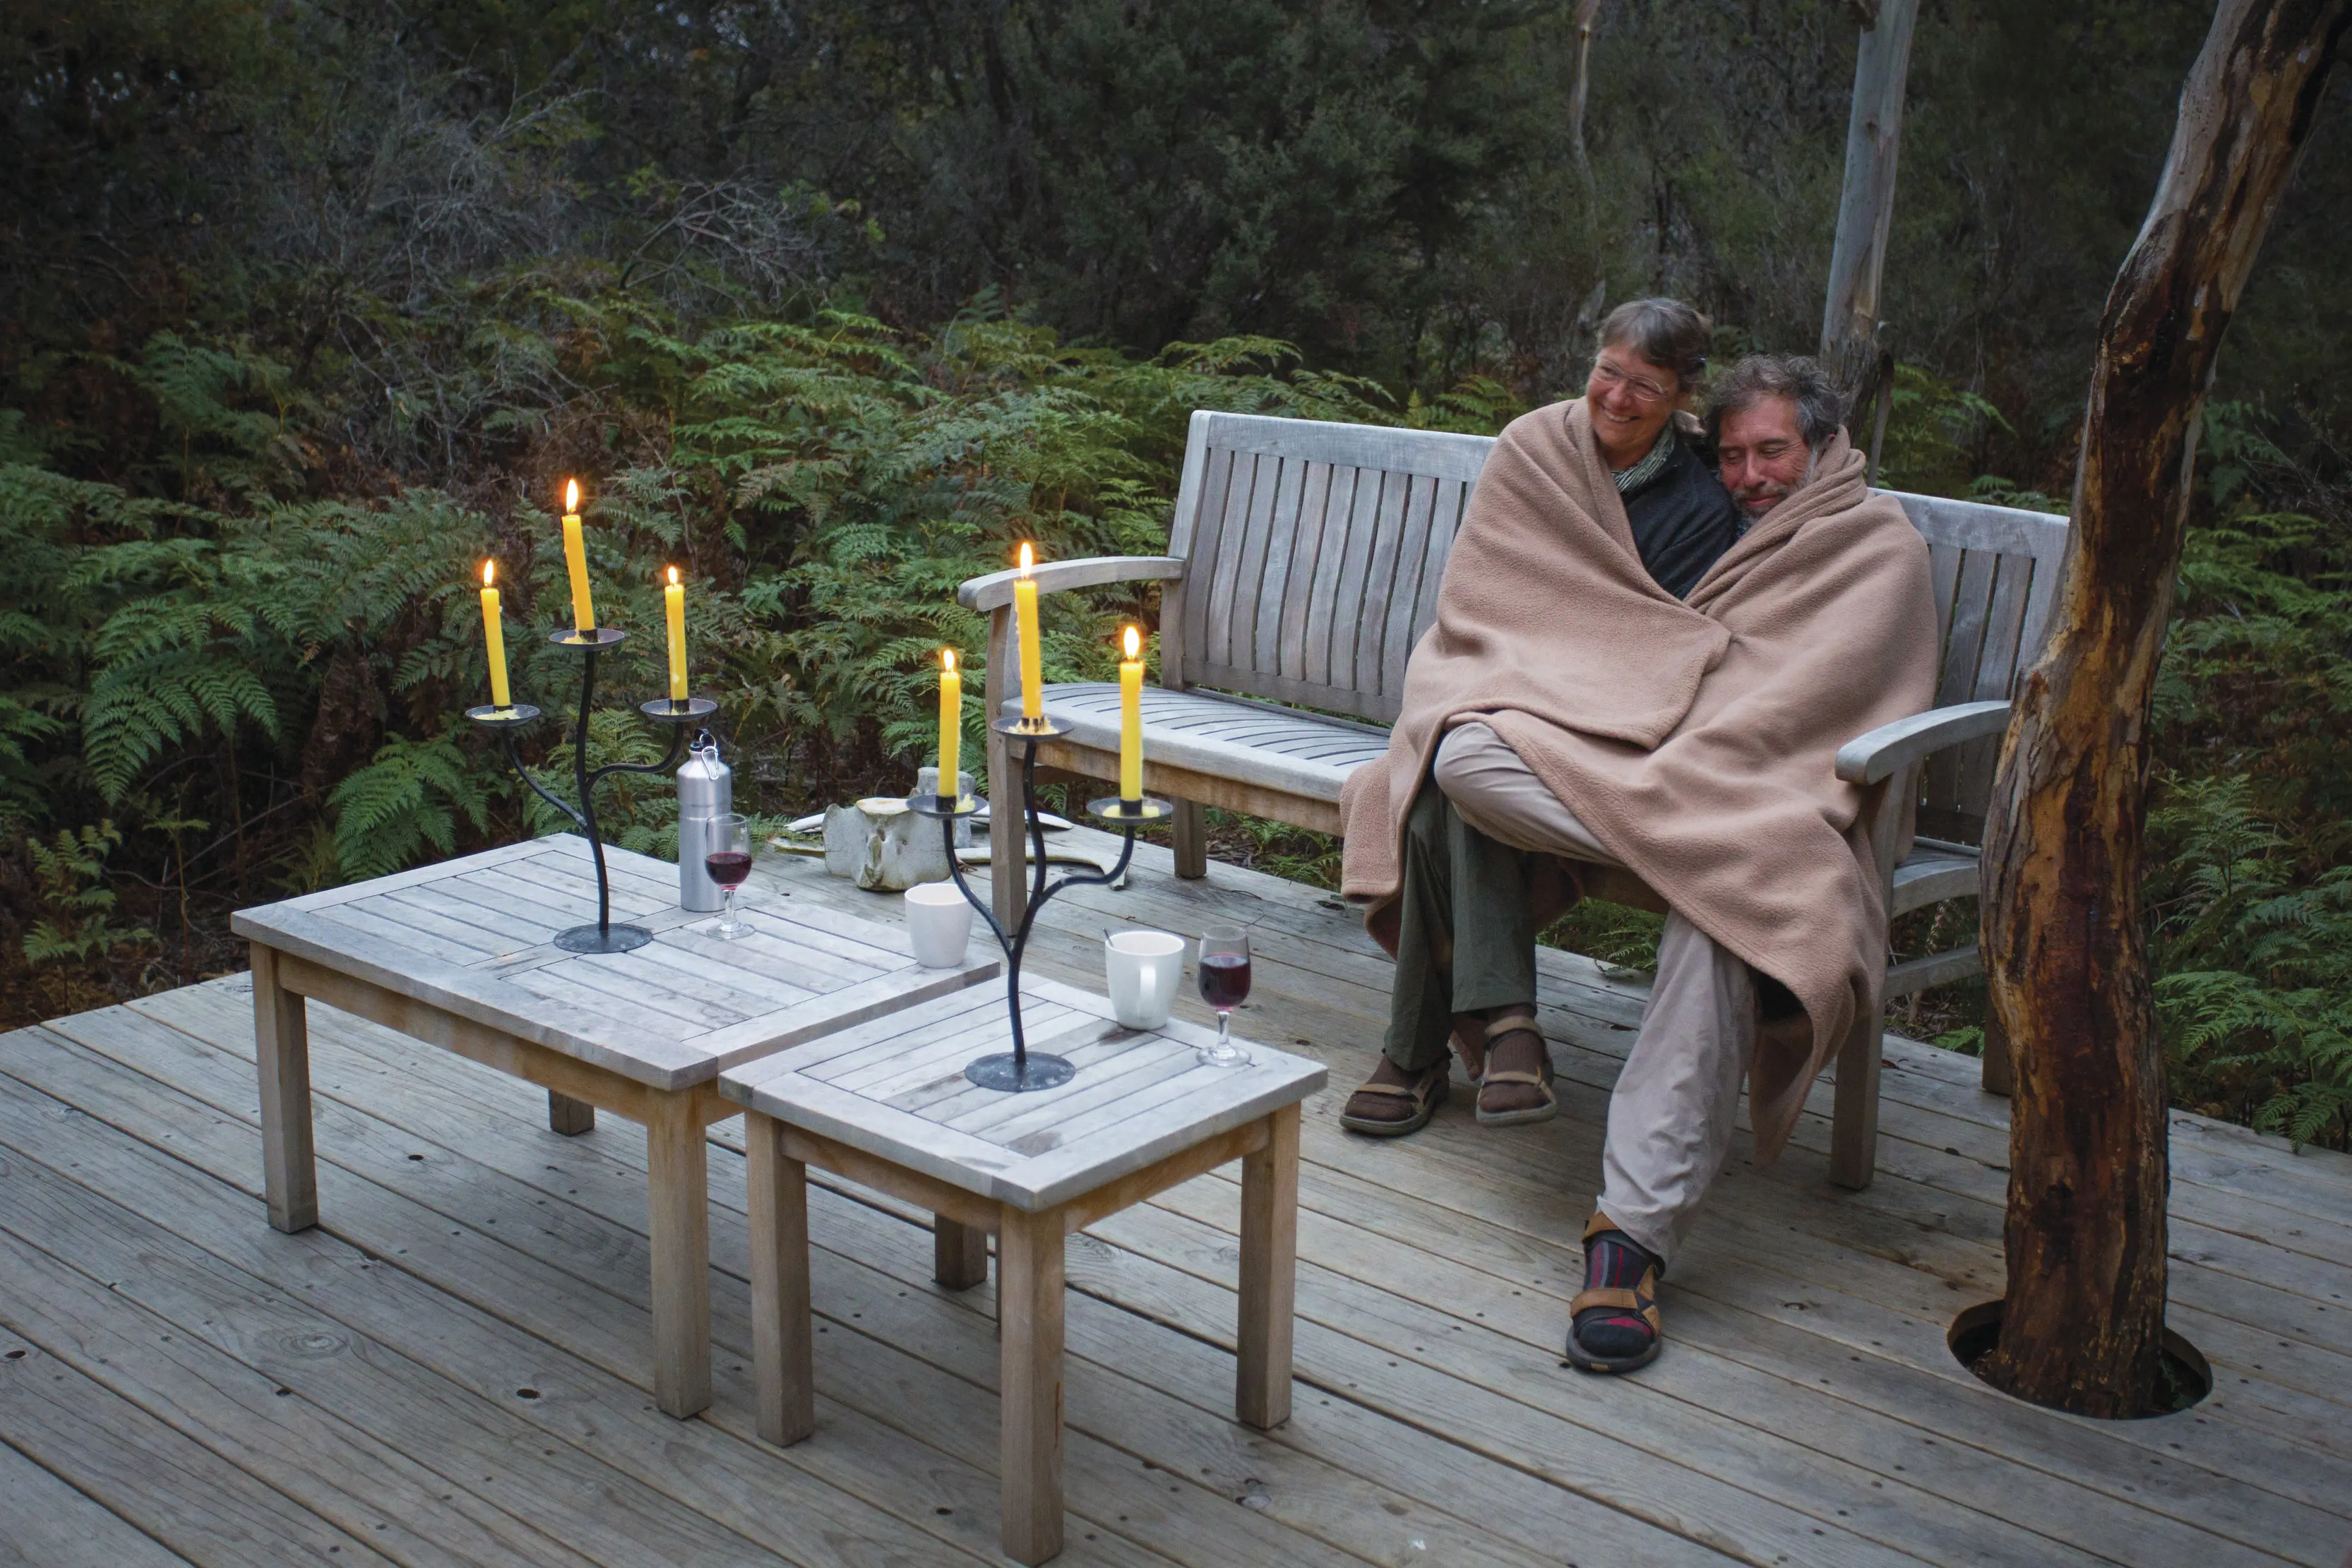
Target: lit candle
pixel 1130 718
pixel 1025 614
pixel 575 555
pixel 950 725
pixel 674 600
pixel 495 635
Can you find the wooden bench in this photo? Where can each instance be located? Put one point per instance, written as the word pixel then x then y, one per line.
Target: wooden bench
pixel 1304 563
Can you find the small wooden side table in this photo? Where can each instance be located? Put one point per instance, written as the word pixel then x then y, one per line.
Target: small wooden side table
pixel 460 955
pixel 886 1105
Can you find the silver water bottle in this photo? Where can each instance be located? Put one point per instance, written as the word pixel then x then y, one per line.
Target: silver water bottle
pixel 706 791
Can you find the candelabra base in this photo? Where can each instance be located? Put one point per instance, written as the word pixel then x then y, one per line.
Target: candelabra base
pixel 1010 1075
pixel 602 938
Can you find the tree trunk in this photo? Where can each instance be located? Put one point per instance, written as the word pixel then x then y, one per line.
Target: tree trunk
pixel 1579 90
pixel 2066 959
pixel 1874 136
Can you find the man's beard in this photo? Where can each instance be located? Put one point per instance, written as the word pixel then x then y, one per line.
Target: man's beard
pixel 1774 492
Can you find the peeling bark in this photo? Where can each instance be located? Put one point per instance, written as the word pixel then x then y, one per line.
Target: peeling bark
pixel 2066 955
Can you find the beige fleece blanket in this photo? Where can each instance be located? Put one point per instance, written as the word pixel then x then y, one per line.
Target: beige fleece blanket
pixel 1696 738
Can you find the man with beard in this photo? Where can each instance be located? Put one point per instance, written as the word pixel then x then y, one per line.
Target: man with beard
pixel 1769 416
pixel 1573 707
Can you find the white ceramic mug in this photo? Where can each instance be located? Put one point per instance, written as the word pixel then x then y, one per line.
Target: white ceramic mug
pixel 1144 968
pixel 938 924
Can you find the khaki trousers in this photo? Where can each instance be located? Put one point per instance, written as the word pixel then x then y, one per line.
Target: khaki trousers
pixel 1672 1114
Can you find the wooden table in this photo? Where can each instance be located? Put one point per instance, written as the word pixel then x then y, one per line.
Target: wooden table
pixel 886 1105
pixel 459 955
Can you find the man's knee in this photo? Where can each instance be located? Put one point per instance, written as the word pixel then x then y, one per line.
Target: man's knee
pixel 1462 756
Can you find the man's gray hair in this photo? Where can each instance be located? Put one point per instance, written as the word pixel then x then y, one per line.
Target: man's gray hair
pixel 1666 332
pixel 1820 410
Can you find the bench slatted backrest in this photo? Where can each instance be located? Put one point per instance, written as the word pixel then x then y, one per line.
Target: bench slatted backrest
pixel 1996 576
pixel 1314 551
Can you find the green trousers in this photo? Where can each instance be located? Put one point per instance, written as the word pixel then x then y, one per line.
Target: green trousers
pixel 1466 930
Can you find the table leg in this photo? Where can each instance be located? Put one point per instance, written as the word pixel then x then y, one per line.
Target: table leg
pixel 958 1253
pixel 1269 1274
pixel 783 1373
pixel 569 1116
pixel 678 1202
pixel 281 1038
pixel 1029 1320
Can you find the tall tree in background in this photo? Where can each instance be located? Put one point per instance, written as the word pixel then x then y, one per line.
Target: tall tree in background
pixel 2066 955
pixel 1873 139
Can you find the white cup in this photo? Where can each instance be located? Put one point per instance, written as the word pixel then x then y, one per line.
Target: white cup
pixel 938 924
pixel 1144 968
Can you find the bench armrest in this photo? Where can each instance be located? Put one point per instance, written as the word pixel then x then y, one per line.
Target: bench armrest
pixel 994 591
pixel 1867 759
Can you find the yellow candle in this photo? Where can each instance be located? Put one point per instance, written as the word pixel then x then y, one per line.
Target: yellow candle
pixel 1025 614
pixel 950 725
pixel 674 600
pixel 1130 718
pixel 495 636
pixel 575 555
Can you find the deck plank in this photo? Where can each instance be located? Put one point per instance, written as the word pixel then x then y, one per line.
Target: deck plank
pixel 44 1523
pixel 1773 1378
pixel 246 1415
pixel 167 1486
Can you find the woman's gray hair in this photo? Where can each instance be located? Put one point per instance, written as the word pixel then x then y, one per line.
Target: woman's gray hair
pixel 1664 332
pixel 1820 410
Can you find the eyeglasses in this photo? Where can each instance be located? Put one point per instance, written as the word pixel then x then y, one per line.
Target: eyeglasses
pixel 1643 389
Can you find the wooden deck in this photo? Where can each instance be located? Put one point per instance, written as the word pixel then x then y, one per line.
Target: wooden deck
pixel 452 1370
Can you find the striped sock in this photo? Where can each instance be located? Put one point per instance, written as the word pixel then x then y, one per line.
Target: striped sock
pixel 1613 1261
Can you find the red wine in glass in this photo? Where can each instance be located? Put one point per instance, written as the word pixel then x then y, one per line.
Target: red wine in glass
pixel 1224 979
pixel 728 862
pixel 1224 985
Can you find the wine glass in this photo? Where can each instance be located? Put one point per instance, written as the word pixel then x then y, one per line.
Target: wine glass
pixel 728 862
pixel 1224 985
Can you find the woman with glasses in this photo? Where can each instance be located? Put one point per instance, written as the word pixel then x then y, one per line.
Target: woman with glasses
pixel 1651 355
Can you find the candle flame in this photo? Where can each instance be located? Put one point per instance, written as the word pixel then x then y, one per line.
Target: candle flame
pixel 1026 558
pixel 572 495
pixel 947 660
pixel 488 566
pixel 1134 642
pixel 673 577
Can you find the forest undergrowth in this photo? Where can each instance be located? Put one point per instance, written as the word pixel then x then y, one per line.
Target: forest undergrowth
pixel 237 657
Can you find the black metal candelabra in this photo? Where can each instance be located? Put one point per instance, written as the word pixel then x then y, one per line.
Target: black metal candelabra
pixel 1017 1070
pixel 681 713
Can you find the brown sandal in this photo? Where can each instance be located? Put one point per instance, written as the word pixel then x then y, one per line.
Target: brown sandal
pixel 1424 1091
pixel 1620 1312
pixel 1541 1079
